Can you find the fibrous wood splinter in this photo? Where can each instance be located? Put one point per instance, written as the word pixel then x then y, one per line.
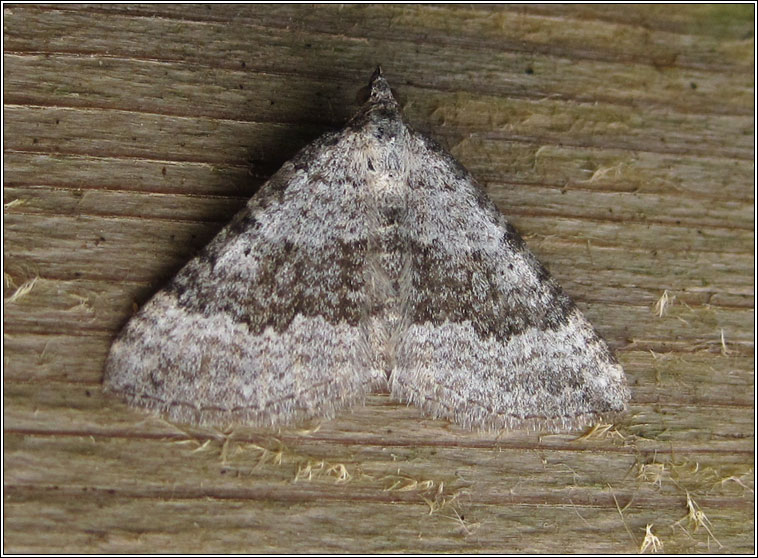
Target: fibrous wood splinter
pixel 370 261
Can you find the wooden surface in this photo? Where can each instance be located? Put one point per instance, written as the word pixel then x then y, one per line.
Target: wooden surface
pixel 618 139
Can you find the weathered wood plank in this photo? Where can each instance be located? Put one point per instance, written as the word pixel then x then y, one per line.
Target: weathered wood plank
pixel 571 201
pixel 570 263
pixel 102 235
pixel 55 306
pixel 158 245
pixel 481 27
pixel 84 410
pixel 504 72
pixel 55 356
pixel 37 80
pixel 701 329
pixel 115 523
pixel 477 483
pixel 685 378
pixel 703 20
pixel 618 139
pixel 58 170
pixel 486 476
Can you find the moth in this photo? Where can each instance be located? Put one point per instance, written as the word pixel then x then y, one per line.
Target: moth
pixel 370 261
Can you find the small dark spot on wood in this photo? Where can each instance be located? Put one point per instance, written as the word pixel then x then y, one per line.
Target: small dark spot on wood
pixel 243 64
pixel 693 85
pixel 529 70
pixel 163 171
pixel 87 393
pixel 35 140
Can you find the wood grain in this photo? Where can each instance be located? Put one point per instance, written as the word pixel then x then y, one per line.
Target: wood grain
pixel 618 139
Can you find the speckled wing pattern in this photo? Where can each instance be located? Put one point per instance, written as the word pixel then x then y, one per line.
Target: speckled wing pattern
pixel 370 261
